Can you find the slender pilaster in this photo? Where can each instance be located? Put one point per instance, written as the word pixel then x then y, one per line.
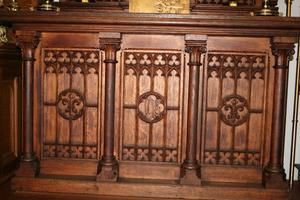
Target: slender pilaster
pixel 28 42
pixel 274 175
pixel 108 166
pixel 190 170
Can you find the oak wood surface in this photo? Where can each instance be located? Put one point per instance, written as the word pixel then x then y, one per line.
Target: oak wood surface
pixel 177 106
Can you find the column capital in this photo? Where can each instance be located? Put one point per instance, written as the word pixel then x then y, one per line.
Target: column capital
pixel 110 41
pixel 27 39
pixel 283 50
pixel 195 45
pixel 287 48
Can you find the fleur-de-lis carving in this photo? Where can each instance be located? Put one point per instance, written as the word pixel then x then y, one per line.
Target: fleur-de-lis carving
pixel 234 110
pixel 70 104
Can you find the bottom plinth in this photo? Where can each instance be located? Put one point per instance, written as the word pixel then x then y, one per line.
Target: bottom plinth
pixel 145 188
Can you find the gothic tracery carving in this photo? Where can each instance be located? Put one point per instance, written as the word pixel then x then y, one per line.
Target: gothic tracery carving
pixel 234 110
pixel 70 104
pixel 151 107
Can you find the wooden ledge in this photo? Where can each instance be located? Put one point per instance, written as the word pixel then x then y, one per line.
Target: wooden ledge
pixel 152 23
pixel 159 190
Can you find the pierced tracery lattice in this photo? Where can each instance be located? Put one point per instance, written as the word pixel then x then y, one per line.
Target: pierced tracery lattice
pixel 152 105
pixel 235 107
pixel 70 99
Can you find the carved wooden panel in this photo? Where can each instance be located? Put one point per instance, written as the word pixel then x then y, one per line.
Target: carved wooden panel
pixel 71 107
pixel 234 111
pixel 152 106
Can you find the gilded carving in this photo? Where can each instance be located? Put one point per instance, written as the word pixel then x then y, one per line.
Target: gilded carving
pixel 3 36
pixel 159 6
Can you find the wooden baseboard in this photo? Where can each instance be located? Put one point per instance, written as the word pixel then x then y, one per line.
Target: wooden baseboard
pixel 208 191
pixel 8 163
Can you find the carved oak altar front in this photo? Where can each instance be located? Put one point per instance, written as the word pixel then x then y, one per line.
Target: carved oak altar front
pixel 177 106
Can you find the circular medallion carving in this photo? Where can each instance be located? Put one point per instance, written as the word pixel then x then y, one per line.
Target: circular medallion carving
pixel 234 110
pixel 70 104
pixel 151 107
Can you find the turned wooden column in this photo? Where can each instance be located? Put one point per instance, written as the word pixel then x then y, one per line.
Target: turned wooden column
pixel 27 41
pixel 282 49
pixel 108 166
pixel 190 169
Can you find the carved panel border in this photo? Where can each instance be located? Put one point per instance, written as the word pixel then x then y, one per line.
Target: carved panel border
pixel 236 85
pixel 71 107
pixel 152 105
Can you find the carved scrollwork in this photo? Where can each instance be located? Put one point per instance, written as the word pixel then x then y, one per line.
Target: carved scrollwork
pixel 70 104
pixel 3 36
pixel 151 107
pixel 234 110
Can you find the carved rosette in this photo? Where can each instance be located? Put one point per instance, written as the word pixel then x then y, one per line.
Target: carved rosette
pixel 70 104
pixel 234 110
pixel 151 107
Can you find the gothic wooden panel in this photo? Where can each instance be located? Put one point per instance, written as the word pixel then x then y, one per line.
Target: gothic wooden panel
pixel 236 86
pixel 71 107
pixel 152 106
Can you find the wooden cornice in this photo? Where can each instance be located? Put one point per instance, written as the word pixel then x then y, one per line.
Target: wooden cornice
pixel 152 23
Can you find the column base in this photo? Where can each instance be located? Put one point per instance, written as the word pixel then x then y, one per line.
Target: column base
pixel 274 178
pixel 108 170
pixel 28 168
pixel 190 174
